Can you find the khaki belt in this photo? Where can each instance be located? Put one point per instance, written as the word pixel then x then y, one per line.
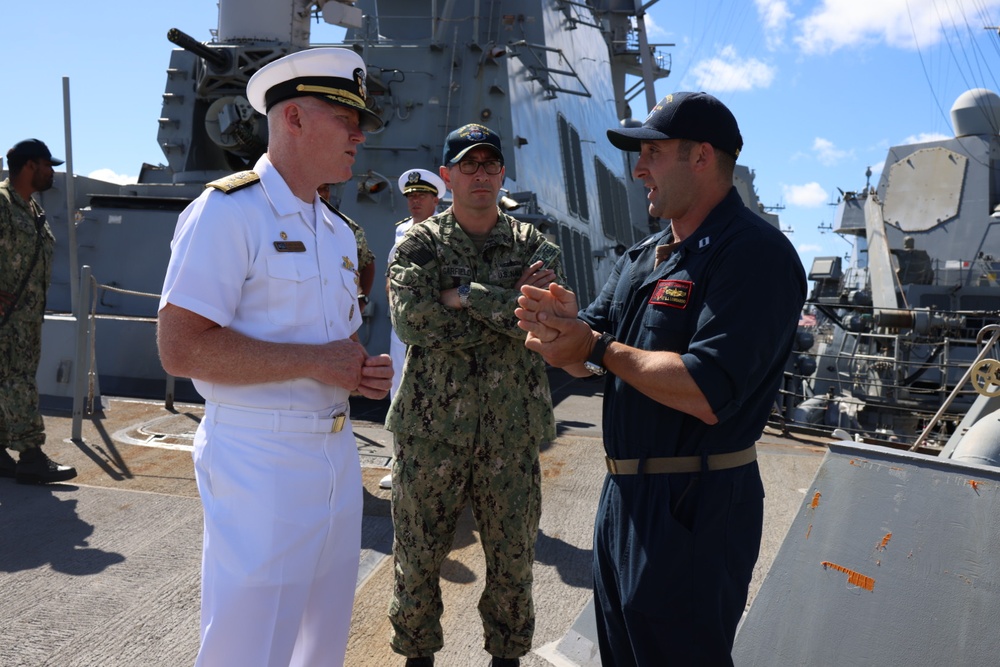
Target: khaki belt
pixel 675 464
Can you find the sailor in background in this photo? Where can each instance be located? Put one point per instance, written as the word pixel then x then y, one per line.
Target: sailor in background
pixel 366 258
pixel 26 244
pixel 260 309
pixel 423 190
pixel 693 328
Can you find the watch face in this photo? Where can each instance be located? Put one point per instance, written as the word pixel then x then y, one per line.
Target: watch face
pixel 594 368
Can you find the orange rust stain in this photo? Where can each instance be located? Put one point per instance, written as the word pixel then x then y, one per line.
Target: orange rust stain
pixel 853 578
pixel 885 541
pixel 815 503
pixel 552 471
pixel 809 530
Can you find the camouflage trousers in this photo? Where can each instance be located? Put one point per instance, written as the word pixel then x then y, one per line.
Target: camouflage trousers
pixel 21 425
pixel 432 482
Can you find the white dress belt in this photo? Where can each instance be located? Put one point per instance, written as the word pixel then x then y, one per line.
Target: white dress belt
pixel 331 420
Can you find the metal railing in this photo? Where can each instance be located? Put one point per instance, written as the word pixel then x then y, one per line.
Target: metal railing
pixel 86 381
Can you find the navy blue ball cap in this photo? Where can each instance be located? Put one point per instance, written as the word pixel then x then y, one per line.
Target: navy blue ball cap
pixel 694 116
pixel 464 139
pixel 31 149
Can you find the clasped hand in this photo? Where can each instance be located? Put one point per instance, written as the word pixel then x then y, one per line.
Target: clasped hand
pixel 554 331
pixel 346 364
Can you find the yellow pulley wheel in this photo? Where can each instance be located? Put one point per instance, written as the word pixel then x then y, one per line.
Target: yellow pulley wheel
pixel 986 378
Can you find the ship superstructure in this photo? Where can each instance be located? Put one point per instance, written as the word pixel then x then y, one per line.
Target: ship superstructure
pixel 549 76
pixel 897 320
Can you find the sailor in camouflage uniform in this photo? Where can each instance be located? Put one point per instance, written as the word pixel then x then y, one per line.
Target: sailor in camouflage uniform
pixel 473 404
pixel 366 258
pixel 26 244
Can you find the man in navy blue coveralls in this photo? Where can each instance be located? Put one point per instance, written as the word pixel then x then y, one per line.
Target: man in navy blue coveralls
pixel 693 328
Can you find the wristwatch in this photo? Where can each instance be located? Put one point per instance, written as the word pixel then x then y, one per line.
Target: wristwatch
pixel 463 294
pixel 594 362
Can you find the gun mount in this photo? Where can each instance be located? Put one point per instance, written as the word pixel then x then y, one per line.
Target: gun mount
pixel 217 59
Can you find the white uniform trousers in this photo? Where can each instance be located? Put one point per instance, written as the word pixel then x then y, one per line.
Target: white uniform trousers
pixel 397 352
pixel 281 544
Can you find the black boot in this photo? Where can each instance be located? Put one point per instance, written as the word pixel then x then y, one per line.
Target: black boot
pixel 7 463
pixel 425 661
pixel 505 662
pixel 34 467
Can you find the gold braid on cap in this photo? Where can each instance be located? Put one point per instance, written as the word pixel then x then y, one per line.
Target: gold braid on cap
pixel 339 94
pixel 337 89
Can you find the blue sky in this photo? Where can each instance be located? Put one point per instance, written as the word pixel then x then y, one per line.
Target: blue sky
pixel 821 88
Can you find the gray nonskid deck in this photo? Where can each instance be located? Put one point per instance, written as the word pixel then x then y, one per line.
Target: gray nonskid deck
pixel 105 570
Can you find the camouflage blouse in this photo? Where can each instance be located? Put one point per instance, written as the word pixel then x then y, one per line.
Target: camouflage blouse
pixel 22 230
pixel 467 371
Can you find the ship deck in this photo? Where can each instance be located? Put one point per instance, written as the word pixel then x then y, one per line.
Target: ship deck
pixel 104 570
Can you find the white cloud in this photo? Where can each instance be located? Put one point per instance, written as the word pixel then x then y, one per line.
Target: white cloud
pixel 827 153
pixel 809 247
pixel 728 72
pixel 904 24
pixel 653 29
pixel 774 18
pixel 810 195
pixel 924 137
pixel 111 177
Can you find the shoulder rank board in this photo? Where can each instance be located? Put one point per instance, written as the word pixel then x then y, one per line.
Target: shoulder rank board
pixel 234 182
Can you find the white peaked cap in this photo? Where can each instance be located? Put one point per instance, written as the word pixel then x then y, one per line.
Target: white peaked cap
pixel 332 74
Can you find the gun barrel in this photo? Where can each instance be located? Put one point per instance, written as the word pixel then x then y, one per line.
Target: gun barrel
pixel 217 59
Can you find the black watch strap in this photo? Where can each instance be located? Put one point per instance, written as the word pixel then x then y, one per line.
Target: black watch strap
pixel 596 358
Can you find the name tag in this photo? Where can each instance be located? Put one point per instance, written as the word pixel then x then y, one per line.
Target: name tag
pixel 672 293
pixel 289 246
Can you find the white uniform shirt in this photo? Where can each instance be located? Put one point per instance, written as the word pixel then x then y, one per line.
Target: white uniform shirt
pixel 397 348
pixel 227 267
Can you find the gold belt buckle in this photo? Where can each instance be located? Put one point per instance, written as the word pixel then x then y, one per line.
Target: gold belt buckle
pixel 338 423
pixel 612 465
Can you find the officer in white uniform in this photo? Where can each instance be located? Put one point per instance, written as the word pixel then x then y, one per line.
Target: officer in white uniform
pixel 260 309
pixel 423 190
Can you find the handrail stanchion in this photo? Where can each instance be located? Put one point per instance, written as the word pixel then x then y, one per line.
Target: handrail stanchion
pixel 80 363
pixel 168 400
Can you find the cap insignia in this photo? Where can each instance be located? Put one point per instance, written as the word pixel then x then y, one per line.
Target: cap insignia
pixel 359 78
pixel 413 178
pixel 475 133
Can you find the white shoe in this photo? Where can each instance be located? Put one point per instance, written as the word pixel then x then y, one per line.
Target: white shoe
pixel 385 482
